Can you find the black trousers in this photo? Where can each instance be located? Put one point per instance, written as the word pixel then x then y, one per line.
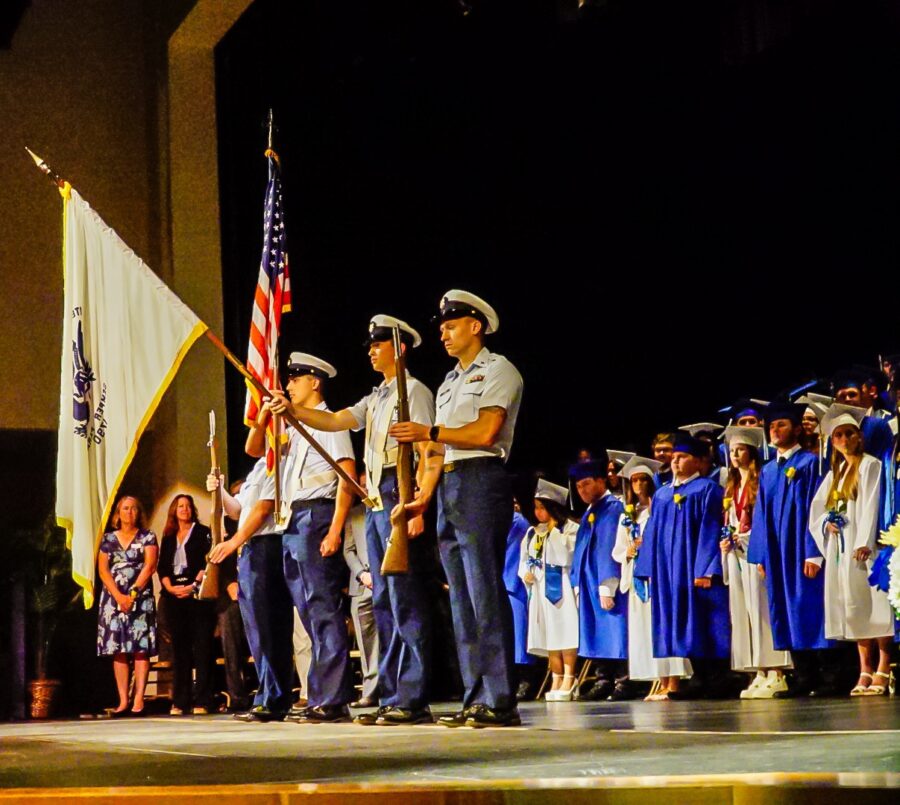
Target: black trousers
pixel 231 631
pixel 191 624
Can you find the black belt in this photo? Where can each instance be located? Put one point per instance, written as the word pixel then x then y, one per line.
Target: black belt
pixel 453 466
pixel 303 504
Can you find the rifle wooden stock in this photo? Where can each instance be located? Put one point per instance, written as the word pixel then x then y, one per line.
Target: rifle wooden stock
pixel 209 587
pixel 396 554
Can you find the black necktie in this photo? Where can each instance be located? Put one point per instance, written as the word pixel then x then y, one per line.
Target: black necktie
pixel 782 460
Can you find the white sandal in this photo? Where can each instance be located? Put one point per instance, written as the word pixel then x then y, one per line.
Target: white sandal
pixel 551 695
pixel 878 690
pixel 862 690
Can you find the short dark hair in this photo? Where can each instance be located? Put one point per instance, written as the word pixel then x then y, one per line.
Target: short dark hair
pixel 556 510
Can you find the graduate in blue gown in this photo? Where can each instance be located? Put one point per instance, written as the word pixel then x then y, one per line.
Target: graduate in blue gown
pixel 681 557
pixel 515 589
pixel 603 608
pixel 661 450
pixel 863 389
pixel 780 541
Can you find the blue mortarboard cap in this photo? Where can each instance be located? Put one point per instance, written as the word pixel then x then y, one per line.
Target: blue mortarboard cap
pixel 685 443
pixel 746 407
pixel 871 376
pixel 847 379
pixel 784 410
pixel 595 468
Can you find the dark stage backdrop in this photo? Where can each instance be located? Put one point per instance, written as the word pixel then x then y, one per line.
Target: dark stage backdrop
pixel 669 204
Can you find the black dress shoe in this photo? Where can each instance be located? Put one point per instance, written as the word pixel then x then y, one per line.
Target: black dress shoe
pixel 326 714
pixel 598 691
pixel 367 701
pixel 456 720
pixel 621 693
pixel 400 716
pixel 259 713
pixel 483 716
pixel 370 719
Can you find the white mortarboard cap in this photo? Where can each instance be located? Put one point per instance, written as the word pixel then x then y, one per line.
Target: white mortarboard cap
pixel 455 304
pixel 818 408
pixel 640 464
pixel 752 437
pixel 621 457
pixel 701 427
pixel 381 326
pixel 549 491
pixel 302 363
pixel 840 414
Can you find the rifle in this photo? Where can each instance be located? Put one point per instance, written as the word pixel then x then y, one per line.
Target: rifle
pixel 396 553
pixel 209 587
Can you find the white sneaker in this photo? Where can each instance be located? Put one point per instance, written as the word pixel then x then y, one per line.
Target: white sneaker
pixel 758 681
pixel 774 683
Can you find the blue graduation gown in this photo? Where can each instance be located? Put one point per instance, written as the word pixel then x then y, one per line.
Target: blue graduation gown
pixel 602 634
pixel 878 442
pixel 681 543
pixel 660 479
pixel 515 588
pixel 781 542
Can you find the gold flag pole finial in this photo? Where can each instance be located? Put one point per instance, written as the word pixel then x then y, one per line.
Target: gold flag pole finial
pixel 44 168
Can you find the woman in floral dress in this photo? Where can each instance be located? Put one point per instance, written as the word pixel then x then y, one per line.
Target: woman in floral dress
pixel 127 613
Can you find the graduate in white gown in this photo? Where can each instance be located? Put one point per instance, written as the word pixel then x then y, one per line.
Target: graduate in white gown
pixel 545 565
pixel 752 648
pixel 844 520
pixel 638 473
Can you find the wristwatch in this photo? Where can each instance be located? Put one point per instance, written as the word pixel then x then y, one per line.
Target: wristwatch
pixel 433 433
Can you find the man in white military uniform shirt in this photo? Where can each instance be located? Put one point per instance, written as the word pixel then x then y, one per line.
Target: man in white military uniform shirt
pixel 314 567
pixel 400 602
pixel 477 405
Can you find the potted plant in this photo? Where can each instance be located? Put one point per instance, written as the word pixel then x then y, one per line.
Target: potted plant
pixel 50 592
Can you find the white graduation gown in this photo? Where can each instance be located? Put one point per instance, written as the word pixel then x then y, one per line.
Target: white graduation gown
pixel 752 646
pixel 642 665
pixel 854 610
pixel 551 627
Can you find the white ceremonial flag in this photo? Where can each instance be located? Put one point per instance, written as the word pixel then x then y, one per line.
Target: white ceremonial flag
pixel 124 337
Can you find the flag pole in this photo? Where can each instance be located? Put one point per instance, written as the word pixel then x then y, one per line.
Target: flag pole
pixel 276 418
pixel 234 361
pixel 292 420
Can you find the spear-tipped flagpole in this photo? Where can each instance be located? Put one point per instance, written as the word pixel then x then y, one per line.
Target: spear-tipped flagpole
pixel 44 168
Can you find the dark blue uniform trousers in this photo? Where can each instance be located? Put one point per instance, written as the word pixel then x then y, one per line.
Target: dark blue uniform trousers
pixel 475 511
pixel 401 610
pixel 267 612
pixel 315 582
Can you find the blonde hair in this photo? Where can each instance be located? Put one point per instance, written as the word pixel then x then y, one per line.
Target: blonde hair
pixel 117 521
pixel 850 488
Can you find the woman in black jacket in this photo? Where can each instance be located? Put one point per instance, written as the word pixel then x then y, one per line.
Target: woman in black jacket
pixel 190 622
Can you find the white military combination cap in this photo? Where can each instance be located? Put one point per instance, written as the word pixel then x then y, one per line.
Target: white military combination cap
pixel 840 414
pixel 381 329
pixel 640 464
pixel 752 437
pixel 549 491
pixel 456 304
pixel 302 363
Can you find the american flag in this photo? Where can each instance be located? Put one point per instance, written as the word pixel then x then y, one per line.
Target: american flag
pixel 271 300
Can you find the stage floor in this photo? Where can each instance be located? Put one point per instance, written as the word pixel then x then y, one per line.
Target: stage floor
pixel 556 741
